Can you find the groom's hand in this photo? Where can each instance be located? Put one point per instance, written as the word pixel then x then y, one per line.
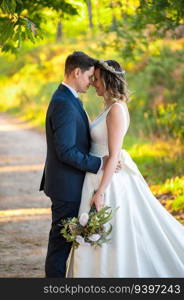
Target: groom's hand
pixel 119 166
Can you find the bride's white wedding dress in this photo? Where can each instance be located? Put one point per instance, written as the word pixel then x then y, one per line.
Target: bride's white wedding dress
pixel 146 241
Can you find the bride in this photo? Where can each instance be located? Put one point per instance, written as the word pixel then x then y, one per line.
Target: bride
pixel 146 241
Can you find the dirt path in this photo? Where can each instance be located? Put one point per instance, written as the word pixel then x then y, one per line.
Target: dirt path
pixel 24 211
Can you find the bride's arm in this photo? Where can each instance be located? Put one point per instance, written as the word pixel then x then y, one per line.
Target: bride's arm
pixel 115 138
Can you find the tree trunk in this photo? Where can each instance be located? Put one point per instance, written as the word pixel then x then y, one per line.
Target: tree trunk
pixel 114 22
pixel 59 32
pixel 90 15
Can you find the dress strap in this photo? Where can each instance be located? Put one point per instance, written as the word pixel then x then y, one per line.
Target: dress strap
pixel 108 109
pixel 125 112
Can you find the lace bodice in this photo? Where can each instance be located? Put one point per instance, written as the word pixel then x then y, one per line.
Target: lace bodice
pixel 98 130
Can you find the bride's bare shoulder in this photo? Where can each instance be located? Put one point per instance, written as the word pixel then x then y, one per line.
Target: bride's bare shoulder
pixel 115 117
pixel 115 110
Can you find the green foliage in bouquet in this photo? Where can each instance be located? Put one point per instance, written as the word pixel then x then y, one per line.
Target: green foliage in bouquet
pixel 88 228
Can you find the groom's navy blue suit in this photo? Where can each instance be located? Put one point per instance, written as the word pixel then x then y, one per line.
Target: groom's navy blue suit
pixel 68 144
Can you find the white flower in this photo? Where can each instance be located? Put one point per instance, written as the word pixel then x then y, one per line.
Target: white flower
pixel 79 239
pixel 94 237
pixel 84 219
pixel 87 244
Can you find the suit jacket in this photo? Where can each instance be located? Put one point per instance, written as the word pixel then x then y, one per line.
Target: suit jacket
pixel 68 144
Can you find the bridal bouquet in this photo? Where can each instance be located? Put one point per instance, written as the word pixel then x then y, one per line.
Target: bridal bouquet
pixel 89 228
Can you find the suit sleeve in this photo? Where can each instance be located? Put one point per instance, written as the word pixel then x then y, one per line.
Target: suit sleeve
pixel 64 130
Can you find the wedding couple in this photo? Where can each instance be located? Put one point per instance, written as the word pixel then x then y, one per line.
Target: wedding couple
pixel 83 168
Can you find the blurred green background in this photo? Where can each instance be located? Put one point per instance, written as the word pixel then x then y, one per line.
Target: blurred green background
pixel 146 39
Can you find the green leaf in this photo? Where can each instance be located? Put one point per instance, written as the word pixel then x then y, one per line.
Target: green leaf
pixel 7 31
pixel 8 6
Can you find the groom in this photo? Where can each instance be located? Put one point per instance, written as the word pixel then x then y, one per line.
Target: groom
pixel 68 158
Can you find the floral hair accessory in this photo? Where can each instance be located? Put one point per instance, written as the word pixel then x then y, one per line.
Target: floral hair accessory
pixel 110 68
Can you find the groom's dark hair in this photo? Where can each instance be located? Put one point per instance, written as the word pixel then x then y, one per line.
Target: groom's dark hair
pixel 80 60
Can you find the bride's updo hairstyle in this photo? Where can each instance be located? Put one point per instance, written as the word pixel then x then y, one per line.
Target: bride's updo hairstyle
pixel 113 77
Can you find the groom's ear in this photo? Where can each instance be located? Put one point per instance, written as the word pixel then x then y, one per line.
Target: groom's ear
pixel 77 72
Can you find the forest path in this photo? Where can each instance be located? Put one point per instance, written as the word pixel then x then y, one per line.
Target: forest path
pixel 24 211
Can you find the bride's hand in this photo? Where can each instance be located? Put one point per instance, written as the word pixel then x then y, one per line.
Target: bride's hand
pixel 98 200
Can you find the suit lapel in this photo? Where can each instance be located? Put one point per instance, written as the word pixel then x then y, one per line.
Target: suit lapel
pixel 79 105
pixel 76 103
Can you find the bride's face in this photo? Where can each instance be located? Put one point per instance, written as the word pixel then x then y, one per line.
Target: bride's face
pixel 98 83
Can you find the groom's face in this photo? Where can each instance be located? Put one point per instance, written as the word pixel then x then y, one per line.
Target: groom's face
pixel 83 79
